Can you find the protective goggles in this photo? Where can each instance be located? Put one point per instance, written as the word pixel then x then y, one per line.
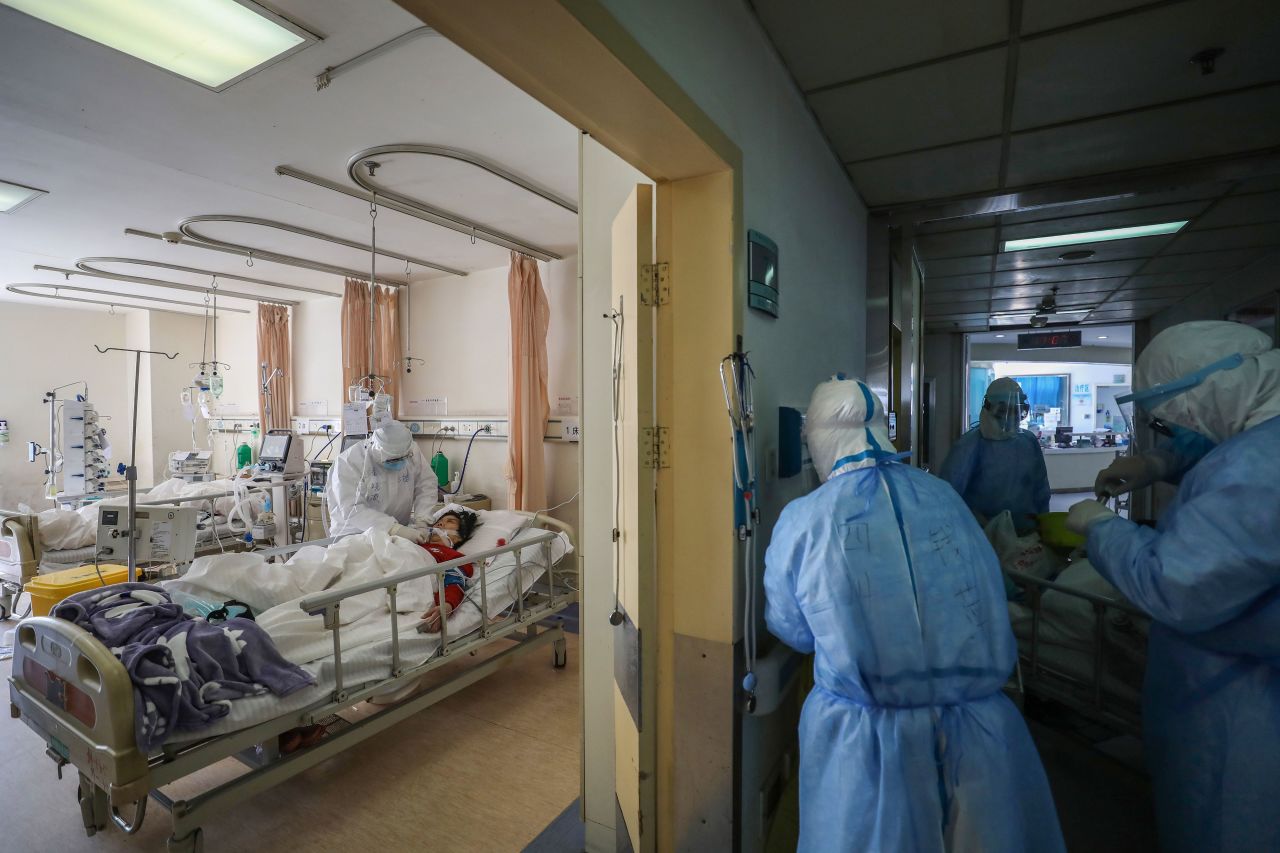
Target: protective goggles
pixel 1155 395
pixel 1001 408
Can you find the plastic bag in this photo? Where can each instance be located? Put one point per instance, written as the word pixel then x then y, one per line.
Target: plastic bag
pixel 1025 554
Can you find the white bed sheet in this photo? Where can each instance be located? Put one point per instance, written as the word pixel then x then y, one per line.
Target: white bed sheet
pixel 366 639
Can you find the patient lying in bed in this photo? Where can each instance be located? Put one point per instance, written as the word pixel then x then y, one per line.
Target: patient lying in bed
pixel 450 529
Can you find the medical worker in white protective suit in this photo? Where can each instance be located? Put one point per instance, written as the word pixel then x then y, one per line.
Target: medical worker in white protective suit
pixel 1209 576
pixel 382 481
pixel 906 741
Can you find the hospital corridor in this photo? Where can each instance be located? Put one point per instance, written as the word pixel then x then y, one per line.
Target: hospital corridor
pixel 569 426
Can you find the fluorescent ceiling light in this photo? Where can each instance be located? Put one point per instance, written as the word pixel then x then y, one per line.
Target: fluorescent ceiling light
pixel 212 42
pixel 1102 337
pixel 999 336
pixel 14 196
pixel 1094 236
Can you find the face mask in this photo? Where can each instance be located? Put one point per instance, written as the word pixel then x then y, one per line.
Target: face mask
pixel 1187 444
pixel 396 464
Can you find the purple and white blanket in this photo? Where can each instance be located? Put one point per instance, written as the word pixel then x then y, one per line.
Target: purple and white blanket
pixel 185 671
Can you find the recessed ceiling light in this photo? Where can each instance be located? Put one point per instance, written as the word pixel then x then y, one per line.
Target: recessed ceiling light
pixel 999 336
pixel 1094 236
pixel 1077 255
pixel 14 196
pixel 212 42
pixel 1102 337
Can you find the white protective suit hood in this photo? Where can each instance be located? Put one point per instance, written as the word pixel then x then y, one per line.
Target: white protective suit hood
pixel 993 428
pixel 1227 402
pixel 392 440
pixel 845 428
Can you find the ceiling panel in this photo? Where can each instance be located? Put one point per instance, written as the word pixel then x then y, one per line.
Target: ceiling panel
pixel 955 170
pixel 1081 290
pixel 1123 202
pixel 934 283
pixel 971 265
pixel 1113 219
pixel 975 315
pixel 959 223
pixel 1242 210
pixel 1171 279
pixel 1233 259
pixel 952 244
pixel 950 297
pixel 1111 250
pixel 1032 304
pixel 1067 272
pixel 1040 15
pixel 1181 292
pixel 826 41
pixel 951 102
pixel 1148 138
pixel 1140 60
pixel 1260 184
pixel 1240 237
pixel 1145 306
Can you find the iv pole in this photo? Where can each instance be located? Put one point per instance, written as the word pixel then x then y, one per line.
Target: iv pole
pixel 131 473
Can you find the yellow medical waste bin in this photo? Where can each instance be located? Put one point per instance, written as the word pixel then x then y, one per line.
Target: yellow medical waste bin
pixel 47 590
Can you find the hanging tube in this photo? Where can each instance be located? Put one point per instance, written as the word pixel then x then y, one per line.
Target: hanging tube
pixel 15 288
pixel 426 213
pixel 156 282
pixel 87 264
pixel 244 252
pixel 186 226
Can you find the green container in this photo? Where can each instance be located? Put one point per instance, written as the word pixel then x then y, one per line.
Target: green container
pixel 1055 534
pixel 440 465
pixel 244 455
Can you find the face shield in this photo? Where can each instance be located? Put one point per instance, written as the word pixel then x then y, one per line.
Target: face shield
pixel 1004 408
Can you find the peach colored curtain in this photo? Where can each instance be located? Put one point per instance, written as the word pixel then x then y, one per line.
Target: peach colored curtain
pixel 275 352
pixel 528 406
pixel 355 336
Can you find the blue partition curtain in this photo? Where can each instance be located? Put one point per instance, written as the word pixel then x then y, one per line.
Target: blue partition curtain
pixel 1044 393
pixel 979 379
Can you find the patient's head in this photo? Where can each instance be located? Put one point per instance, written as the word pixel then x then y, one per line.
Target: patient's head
pixel 453 527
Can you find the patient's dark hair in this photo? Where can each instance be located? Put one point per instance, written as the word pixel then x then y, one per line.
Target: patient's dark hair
pixel 467 521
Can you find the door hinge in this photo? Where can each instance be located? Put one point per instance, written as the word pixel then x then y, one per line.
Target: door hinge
pixel 655 284
pixel 654 443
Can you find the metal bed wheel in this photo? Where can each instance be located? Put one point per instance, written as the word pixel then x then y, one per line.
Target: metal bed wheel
pixel 193 842
pixel 561 652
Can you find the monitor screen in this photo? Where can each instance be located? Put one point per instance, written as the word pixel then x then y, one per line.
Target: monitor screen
pixel 274 447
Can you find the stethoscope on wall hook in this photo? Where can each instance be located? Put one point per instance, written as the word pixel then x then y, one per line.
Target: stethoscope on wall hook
pixel 617 617
pixel 736 377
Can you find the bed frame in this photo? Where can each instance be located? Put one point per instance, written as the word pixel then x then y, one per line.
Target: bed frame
pixel 1087 694
pixel 20 555
pixel 68 688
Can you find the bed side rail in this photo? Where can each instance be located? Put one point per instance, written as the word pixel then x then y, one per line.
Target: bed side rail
pixel 1036 588
pixel 328 603
pixel 74 693
pixel 20 532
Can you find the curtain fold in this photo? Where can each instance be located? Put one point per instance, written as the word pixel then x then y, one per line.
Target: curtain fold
pixel 528 404
pixel 355 336
pixel 275 351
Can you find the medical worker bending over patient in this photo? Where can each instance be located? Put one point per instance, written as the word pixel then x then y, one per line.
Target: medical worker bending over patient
pixel 1209 576
pixel 383 480
pixel 998 466
pixel 906 742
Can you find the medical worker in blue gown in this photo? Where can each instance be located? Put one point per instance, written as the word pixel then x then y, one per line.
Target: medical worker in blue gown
pixel 996 465
pixel 906 742
pixel 1209 576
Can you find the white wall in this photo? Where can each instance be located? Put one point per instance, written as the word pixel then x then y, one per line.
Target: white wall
pixel 797 193
pixel 43 346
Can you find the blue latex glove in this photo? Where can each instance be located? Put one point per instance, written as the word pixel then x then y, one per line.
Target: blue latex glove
pixel 1087 513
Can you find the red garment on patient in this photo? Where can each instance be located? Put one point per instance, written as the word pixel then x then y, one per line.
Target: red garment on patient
pixel 453 590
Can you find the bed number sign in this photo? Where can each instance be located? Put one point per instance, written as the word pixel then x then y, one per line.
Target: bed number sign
pixel 569 429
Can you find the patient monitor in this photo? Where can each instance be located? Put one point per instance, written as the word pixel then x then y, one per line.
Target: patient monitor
pixel 281 452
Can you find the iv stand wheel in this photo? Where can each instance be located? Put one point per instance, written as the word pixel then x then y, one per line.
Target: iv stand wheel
pixel 560 650
pixel 193 842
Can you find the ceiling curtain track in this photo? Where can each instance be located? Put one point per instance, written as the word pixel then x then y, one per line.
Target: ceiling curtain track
pixel 187 228
pixel 157 282
pixel 22 290
pixel 358 169
pixel 90 265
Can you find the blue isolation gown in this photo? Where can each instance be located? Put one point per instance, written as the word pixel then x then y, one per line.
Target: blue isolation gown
pixel 993 476
pixel 1209 576
pixel 906 742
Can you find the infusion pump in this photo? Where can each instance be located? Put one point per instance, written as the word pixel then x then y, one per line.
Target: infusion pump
pixel 165 534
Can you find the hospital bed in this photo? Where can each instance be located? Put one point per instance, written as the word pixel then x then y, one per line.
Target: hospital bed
pixel 20 553
pixel 70 689
pixel 1079 647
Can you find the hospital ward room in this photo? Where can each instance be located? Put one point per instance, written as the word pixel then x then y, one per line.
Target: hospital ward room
pixel 554 426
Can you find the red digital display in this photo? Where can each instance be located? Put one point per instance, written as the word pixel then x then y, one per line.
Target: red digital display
pixel 1049 340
